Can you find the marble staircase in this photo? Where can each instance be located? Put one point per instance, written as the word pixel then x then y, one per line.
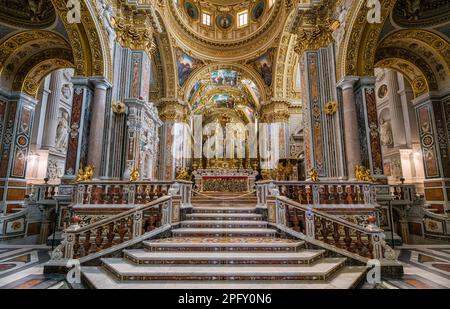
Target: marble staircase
pixel 224 247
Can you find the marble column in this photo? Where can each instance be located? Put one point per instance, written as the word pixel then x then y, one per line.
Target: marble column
pixel 79 128
pixel 52 110
pixel 174 151
pixel 97 124
pixel 433 116
pixel 323 116
pixel 369 129
pixel 350 124
pixel 16 125
pixel 273 133
pixel 395 109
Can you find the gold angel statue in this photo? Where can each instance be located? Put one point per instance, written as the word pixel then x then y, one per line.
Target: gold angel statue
pixel 313 175
pixel 134 176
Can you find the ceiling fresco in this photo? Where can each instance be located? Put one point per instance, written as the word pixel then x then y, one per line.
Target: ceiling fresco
pixel 27 13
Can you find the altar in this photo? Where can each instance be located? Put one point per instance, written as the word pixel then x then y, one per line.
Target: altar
pixel 224 180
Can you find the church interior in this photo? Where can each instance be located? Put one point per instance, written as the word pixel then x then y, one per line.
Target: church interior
pixel 224 144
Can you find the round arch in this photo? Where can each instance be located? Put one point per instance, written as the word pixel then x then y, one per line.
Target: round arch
pixel 28 56
pixel 88 40
pixel 356 54
pixel 286 60
pixel 243 70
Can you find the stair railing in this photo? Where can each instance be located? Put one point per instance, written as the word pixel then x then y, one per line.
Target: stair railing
pixel 80 241
pixel 318 193
pixel 367 242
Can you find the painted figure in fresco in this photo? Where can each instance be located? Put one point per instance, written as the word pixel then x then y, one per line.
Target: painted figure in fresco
pixel 225 21
pixel 258 10
pixel 191 10
pixel 266 73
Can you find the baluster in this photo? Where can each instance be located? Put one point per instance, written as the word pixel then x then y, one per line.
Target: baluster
pixel 317 227
pixel 110 236
pixel 359 244
pixel 76 246
pixel 336 235
pixel 152 192
pixel 122 230
pixel 159 216
pixel 347 239
pixel 369 248
pixel 151 220
pixel 87 243
pixel 99 238
pixel 308 195
pixel 324 230
pixel 107 197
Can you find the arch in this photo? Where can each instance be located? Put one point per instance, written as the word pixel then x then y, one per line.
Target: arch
pixel 424 49
pixel 357 52
pixel 409 70
pixel 28 56
pixel 167 60
pixel 88 39
pixel 285 62
pixel 243 70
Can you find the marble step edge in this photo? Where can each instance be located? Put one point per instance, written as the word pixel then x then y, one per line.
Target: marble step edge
pixel 169 244
pixel 322 270
pixel 98 278
pixel 223 223
pixel 142 256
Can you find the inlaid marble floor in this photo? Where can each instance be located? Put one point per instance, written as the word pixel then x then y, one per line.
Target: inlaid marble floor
pixel 426 267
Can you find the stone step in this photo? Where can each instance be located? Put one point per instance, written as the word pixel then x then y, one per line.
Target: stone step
pixel 142 256
pixel 219 216
pixel 246 244
pixel 125 270
pixel 223 210
pixel 222 224
pixel 348 277
pixel 224 232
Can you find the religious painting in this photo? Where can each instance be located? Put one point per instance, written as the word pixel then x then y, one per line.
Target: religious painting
pixel 248 112
pixel 382 92
pixel 191 10
pixel 224 77
pixel 185 66
pixel 258 9
pixel 194 90
pixel 223 101
pixel 28 13
pixel 263 66
pixel 225 21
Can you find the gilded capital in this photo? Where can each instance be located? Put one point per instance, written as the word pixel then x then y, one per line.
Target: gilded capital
pixel 134 31
pixel 276 110
pixel 172 110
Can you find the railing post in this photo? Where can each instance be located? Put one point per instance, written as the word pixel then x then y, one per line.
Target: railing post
pixel 316 194
pixel 280 212
pixel 310 224
pixel 69 242
pixel 367 194
pixel 137 224
pixel 377 243
pixel 80 194
pixel 131 198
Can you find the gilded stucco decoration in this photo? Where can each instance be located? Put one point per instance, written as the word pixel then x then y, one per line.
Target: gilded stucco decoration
pixel 39 50
pixel 356 54
pixel 88 41
pixel 216 44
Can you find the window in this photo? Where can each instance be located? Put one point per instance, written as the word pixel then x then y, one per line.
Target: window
pixel 242 19
pixel 206 19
